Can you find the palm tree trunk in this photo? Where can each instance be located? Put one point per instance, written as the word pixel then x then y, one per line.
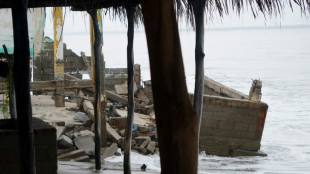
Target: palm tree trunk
pixel 131 105
pixel 198 7
pixel 175 117
pixel 22 87
pixel 97 107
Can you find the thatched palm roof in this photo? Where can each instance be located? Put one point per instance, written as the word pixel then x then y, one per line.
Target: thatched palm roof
pixel 184 8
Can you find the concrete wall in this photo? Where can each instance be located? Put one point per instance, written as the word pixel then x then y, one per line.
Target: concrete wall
pixel 45 149
pixel 231 124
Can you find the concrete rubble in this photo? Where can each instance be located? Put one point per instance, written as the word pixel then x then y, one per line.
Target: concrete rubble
pixel 76 140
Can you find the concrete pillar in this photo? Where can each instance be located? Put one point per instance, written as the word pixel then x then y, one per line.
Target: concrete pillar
pixel 58 57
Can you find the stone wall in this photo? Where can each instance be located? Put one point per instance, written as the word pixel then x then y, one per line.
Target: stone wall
pixel 229 125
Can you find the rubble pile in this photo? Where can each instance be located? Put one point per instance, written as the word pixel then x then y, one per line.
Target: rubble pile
pixel 76 141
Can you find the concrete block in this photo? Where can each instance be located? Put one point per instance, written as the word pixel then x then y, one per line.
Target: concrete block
pixel 118 122
pixel 145 143
pixel 73 154
pixel 239 152
pixel 121 89
pixel 83 133
pixel 86 143
pixel 81 116
pixel 151 147
pixel 139 140
pixel 109 151
pixel 115 136
pixel 64 142
pixel 143 129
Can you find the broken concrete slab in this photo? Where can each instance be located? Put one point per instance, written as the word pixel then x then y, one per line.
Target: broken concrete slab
pixel 143 129
pixel 115 136
pixel 60 131
pixel 81 116
pixel 151 147
pixel 121 89
pixel 109 151
pixel 118 122
pixel 140 140
pixel 145 143
pixel 86 143
pixel 89 109
pixel 64 142
pixel 83 133
pixel 73 154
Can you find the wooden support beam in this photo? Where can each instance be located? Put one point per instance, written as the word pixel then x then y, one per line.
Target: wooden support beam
pixel 175 117
pixel 199 8
pixel 103 102
pixel 21 74
pixel 12 96
pixel 130 9
pixel 58 56
pixel 97 103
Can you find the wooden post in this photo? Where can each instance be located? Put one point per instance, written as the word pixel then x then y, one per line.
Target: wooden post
pixel 102 77
pixel 97 104
pixel 130 71
pixel 11 84
pixel 175 117
pixel 58 56
pixel 21 74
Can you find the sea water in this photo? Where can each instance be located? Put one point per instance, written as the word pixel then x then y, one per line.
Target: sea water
pixel 280 57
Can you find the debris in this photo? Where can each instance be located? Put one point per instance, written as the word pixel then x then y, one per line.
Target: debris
pixel 81 116
pixel 109 151
pixel 115 136
pixel 60 130
pixel 89 109
pixel 143 129
pixel 121 89
pixel 86 143
pixel 140 140
pixel 73 154
pixel 82 159
pixel 83 133
pixel 151 147
pixel 64 142
pixel 118 122
pixel 145 143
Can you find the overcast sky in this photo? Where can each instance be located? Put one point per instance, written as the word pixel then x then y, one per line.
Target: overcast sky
pixel 76 22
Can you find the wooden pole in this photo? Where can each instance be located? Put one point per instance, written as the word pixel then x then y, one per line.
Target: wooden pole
pixel 97 105
pixel 58 56
pixel 102 76
pixel 130 84
pixel 21 74
pixel 175 117
pixel 11 84
pixel 198 7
